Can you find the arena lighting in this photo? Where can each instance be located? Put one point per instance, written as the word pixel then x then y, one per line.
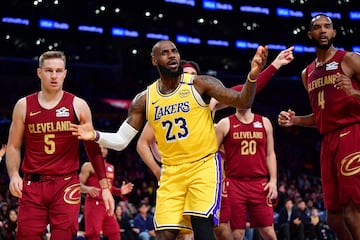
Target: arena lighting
pixel 276 46
pixel 122 32
pixel 330 14
pixel 356 49
pixel 94 29
pixel 354 15
pixel 221 43
pixel 157 36
pixel 245 44
pixel 285 12
pixel 21 21
pixel 253 9
pixel 302 49
pixel 51 24
pixel 185 2
pixel 214 5
pixel 187 40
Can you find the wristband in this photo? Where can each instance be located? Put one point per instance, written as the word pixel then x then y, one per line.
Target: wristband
pixel 251 80
pixel 96 136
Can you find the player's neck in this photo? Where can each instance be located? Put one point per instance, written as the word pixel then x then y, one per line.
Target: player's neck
pixel 169 84
pixel 324 55
pixel 48 99
pixel 244 116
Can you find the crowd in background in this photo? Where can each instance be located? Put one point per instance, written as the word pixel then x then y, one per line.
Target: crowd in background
pixel 297 152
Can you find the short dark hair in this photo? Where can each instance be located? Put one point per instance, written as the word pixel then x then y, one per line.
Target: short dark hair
pixel 192 64
pixel 316 16
pixel 143 203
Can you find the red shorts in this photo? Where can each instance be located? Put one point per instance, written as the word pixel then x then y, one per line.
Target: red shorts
pixel 246 200
pixel 225 206
pixel 97 219
pixel 340 167
pixel 49 199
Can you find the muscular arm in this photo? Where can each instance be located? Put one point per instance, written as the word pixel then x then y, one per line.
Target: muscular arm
pixel 210 87
pixel 13 150
pixel 351 67
pixel 144 143
pixel 221 130
pixel 282 59
pixel 95 156
pixel 129 128
pixel 288 118
pixel 270 152
pixel 86 171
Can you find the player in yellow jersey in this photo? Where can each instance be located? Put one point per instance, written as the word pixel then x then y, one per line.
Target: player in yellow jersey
pixel 176 105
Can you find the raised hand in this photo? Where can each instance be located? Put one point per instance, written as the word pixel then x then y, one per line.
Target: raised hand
pixel 284 57
pixel 258 62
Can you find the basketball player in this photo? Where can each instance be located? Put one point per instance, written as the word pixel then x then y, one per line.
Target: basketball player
pixel 176 105
pixel 251 174
pixel 50 190
pixel 96 219
pixel 332 81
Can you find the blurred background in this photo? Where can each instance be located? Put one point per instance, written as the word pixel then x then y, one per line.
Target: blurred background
pixel 108 46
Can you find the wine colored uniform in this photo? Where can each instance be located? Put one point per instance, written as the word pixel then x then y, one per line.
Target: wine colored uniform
pixel 51 187
pixel 246 174
pixel 337 116
pixel 96 218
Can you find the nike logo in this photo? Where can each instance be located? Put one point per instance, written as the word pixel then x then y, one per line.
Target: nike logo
pixel 155 101
pixel 67 178
pixel 236 125
pixel 344 134
pixel 34 113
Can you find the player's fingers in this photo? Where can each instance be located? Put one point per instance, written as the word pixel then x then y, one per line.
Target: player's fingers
pixel 107 207
pixel 111 205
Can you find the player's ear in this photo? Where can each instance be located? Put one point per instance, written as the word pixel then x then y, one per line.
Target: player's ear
pixel 309 34
pixel 154 61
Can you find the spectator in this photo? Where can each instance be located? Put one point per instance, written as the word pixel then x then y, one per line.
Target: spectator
pixel 123 220
pixel 143 223
pixel 303 213
pixel 9 226
pixel 290 226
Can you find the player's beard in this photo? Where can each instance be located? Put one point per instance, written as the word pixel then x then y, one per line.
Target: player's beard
pixel 317 44
pixel 166 72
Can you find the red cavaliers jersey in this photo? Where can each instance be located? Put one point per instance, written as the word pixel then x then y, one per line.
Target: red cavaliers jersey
pixel 245 149
pixel 94 181
pixel 332 108
pixel 50 147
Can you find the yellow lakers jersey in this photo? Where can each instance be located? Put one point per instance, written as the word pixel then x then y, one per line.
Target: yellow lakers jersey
pixel 182 123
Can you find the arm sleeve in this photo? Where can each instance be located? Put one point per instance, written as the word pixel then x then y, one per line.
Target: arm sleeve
pixel 262 79
pixel 119 140
pixel 94 154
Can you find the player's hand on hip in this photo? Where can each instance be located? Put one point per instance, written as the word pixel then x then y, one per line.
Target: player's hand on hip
pixel 16 186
